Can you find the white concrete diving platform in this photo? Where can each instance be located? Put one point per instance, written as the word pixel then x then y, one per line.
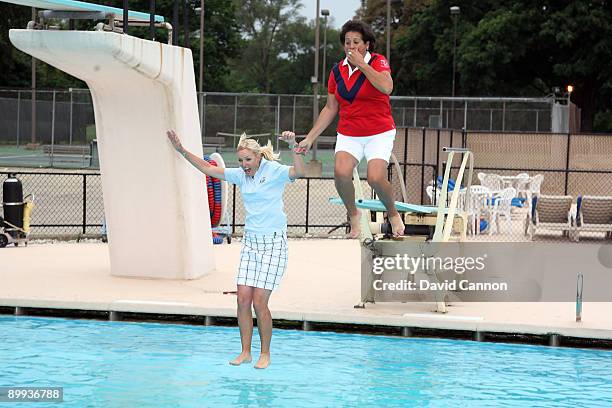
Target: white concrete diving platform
pixel 155 204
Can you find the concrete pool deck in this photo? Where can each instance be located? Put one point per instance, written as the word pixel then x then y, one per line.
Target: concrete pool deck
pixel 322 284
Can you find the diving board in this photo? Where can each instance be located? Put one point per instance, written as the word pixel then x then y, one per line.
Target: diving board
pixel 73 5
pixel 377 205
pixel 154 201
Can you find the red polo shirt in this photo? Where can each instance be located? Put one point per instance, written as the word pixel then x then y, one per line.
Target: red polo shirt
pixel 363 109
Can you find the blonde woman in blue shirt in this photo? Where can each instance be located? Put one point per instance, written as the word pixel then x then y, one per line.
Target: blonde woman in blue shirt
pixel 263 258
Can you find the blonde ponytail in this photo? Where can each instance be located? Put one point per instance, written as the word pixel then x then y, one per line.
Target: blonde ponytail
pixel 266 151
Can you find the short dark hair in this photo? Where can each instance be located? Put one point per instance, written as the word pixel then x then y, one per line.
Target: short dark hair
pixel 360 27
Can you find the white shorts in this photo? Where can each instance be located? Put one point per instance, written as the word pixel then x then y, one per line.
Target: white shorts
pixel 377 146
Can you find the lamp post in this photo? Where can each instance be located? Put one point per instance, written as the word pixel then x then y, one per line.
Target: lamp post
pixel 324 13
pixel 389 3
pixel 570 89
pixel 389 31
pixel 314 167
pixel 455 11
pixel 201 77
pixel 315 78
pixel 33 125
pixel 201 70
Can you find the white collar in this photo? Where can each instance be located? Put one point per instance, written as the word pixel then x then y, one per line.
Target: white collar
pixel 366 58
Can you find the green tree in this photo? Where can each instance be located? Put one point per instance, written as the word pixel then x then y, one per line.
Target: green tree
pixel 374 12
pixel 278 49
pixel 579 34
pixel 295 64
pixel 261 22
pixel 511 48
pixel 14 65
pixel 221 35
pixel 220 42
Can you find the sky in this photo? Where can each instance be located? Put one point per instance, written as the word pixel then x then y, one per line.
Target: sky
pixel 340 10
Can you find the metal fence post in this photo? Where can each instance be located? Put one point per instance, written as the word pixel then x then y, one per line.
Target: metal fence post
pixel 293 118
pixel 277 121
pixel 70 134
pixel 18 114
pixel 84 203
pixel 415 113
pixel 52 128
pixel 438 162
pixel 307 202
pixel 234 209
pixel 552 115
pixel 567 163
pixel 448 124
pixel 235 114
pixel 200 109
pixel 203 114
pixel 406 157
pixel 423 166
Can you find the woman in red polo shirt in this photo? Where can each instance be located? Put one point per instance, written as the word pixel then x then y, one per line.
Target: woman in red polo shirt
pixel 358 89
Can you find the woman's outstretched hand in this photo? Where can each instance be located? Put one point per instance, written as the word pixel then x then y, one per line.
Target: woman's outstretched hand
pixel 305 146
pixel 289 137
pixel 176 142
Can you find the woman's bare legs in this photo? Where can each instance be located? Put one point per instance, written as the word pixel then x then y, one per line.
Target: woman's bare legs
pixel 377 178
pixel 343 177
pixel 264 324
pixel 245 322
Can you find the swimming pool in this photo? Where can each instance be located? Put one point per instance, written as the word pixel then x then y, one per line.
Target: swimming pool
pixel 124 364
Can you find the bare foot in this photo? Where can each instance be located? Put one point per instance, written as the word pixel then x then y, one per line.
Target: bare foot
pixel 355 220
pixel 397 226
pixel 264 361
pixel 242 358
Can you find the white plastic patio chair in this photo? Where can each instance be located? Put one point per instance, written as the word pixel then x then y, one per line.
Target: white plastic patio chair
pixel 480 197
pixel 493 182
pixel 533 188
pixel 522 184
pixel 501 207
pixel 430 193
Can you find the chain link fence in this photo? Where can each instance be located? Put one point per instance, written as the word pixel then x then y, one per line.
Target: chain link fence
pixel 570 174
pixel 64 136
pixel 571 165
pixel 71 204
pixel 65 204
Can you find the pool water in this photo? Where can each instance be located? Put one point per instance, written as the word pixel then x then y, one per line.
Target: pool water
pixel 123 364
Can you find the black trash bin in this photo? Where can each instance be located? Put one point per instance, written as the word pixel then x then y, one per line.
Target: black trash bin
pixel 12 205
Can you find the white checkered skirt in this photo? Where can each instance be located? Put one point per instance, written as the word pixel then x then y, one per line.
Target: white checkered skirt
pixel 263 260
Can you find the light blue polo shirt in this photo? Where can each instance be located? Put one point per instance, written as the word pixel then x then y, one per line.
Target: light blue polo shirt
pixel 262 196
